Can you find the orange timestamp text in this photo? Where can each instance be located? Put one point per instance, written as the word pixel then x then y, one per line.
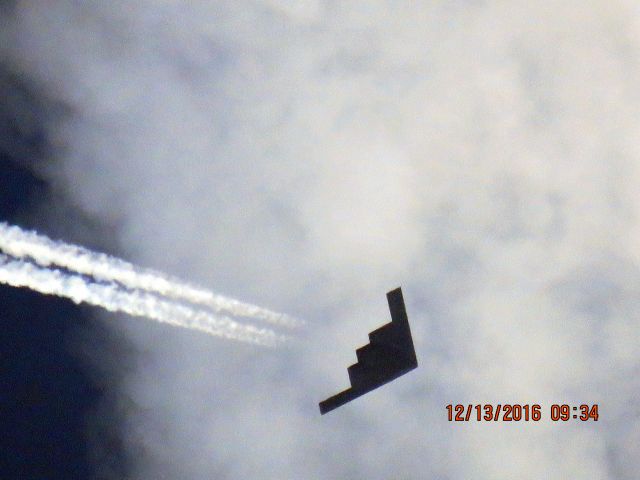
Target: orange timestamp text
pixel 520 412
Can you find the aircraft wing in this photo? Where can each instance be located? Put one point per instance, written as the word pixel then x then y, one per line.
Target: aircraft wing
pixel 388 355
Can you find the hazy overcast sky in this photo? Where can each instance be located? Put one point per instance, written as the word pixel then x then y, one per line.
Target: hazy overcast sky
pixel 310 156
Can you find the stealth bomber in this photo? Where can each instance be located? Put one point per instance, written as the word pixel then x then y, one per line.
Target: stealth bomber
pixel 388 355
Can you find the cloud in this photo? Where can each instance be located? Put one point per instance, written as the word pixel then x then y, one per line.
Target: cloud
pixel 309 157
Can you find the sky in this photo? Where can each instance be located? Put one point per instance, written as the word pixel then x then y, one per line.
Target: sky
pixel 310 156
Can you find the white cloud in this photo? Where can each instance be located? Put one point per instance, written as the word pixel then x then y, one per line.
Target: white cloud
pixel 308 156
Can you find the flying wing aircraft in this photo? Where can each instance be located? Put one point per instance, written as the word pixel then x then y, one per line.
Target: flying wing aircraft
pixel 388 355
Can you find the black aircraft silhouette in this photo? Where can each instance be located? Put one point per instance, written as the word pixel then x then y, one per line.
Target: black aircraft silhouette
pixel 389 355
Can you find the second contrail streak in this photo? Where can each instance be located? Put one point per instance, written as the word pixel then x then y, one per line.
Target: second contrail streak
pixel 20 273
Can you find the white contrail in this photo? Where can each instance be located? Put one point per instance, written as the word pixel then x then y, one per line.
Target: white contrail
pixel 20 273
pixel 46 252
